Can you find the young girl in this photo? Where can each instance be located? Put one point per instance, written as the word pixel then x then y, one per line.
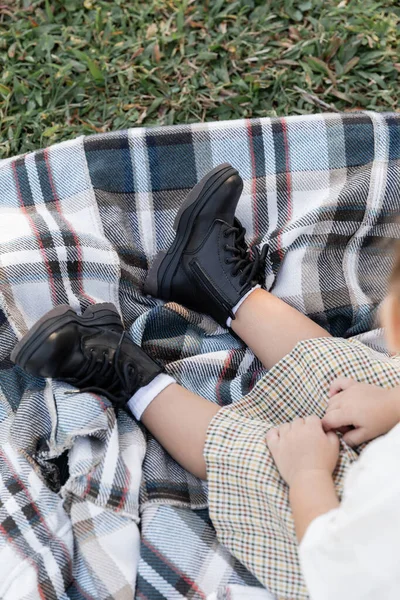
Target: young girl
pixel 274 461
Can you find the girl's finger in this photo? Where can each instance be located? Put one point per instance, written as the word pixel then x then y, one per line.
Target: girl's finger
pixel 284 428
pixel 272 437
pixel 336 419
pixel 325 424
pixel 340 384
pixel 335 403
pixel 333 439
pixel 355 437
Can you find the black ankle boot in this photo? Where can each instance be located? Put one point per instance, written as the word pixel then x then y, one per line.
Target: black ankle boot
pixel 208 267
pixel 91 352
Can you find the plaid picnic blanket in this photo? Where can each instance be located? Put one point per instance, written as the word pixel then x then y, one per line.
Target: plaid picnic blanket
pixel 79 223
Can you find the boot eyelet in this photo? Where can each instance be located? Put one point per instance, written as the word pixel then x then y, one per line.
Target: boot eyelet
pixel 226 234
pixel 227 261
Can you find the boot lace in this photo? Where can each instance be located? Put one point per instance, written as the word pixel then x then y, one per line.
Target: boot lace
pixel 118 383
pixel 251 265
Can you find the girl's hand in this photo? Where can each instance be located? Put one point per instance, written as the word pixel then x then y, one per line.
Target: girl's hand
pixel 302 447
pixel 361 411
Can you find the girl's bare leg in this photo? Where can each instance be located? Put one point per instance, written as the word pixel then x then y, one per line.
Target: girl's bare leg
pixel 179 419
pixel 272 328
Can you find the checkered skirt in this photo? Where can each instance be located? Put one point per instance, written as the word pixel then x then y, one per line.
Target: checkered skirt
pixel 248 500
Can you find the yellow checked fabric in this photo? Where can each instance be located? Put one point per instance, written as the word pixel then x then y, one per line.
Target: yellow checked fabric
pixel 248 500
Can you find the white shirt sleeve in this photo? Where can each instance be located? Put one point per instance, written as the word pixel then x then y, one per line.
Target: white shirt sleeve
pixel 353 552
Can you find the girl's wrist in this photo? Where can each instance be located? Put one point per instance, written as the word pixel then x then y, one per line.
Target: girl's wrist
pixel 310 477
pixel 312 493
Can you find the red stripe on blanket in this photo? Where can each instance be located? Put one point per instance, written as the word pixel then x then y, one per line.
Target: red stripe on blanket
pixel 226 366
pixel 88 489
pixel 32 561
pixel 124 490
pixel 254 378
pixel 174 568
pixel 37 235
pixel 253 180
pixel 71 229
pixel 37 512
pixel 288 184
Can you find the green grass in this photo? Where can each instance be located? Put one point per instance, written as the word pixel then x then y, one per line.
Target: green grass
pixel 72 66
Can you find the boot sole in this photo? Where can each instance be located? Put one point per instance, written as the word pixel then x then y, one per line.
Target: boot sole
pixel 165 264
pixel 104 314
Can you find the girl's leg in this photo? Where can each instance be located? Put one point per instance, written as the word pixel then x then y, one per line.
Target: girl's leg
pixel 179 419
pixel 272 328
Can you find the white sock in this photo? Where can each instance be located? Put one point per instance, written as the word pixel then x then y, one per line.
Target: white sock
pixel 140 401
pixel 239 304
